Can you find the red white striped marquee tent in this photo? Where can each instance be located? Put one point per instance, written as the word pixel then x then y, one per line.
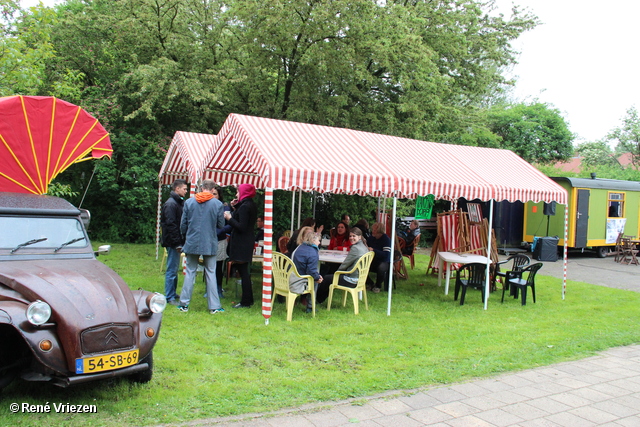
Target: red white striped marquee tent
pixel 277 154
pixel 182 161
pixel 287 155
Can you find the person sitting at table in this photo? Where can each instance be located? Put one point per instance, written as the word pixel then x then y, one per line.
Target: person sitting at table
pixel 340 240
pixel 260 225
pixel 357 249
pixel 293 241
pixel 414 231
pixel 306 258
pixel 363 225
pixel 380 243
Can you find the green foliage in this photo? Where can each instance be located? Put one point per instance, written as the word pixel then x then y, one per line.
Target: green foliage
pixel 597 153
pixel 628 136
pixel 61 190
pixel 123 193
pixel 212 366
pixel 147 69
pixel 25 46
pixel 536 132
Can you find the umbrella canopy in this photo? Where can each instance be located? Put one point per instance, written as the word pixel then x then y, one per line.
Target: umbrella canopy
pixel 40 137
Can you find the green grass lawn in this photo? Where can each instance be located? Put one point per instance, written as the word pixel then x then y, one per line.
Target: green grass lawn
pixel 216 365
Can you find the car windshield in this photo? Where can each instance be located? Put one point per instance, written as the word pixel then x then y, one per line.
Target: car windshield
pixel 41 232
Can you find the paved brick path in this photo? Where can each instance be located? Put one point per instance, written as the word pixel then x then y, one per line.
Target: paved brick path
pixel 603 390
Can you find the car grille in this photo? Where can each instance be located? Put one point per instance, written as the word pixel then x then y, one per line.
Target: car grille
pixel 107 338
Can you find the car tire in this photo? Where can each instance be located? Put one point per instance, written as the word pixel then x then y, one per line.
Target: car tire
pixel 6 378
pixel 602 251
pixel 146 375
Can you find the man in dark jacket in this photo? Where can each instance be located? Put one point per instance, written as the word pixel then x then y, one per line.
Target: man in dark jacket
pixel 242 239
pixel 171 238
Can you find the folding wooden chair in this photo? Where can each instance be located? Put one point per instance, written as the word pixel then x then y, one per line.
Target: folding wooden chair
pixel 629 252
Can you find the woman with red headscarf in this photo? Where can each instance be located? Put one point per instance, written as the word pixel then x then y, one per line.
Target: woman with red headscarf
pixel 242 239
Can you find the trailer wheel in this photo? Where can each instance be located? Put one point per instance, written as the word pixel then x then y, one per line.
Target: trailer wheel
pixel 602 251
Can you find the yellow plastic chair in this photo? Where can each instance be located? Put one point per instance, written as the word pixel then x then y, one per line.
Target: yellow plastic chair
pixel 362 266
pixel 282 268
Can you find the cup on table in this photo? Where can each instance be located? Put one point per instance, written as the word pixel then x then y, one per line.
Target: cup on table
pixel 258 250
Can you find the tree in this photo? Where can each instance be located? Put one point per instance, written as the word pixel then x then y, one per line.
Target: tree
pixel 628 136
pixel 146 68
pixel 25 46
pixel 597 153
pixel 536 132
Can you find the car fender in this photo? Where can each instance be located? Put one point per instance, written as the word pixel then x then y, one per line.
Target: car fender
pixel 14 313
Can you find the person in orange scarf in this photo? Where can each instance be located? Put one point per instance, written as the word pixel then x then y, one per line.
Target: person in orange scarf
pixel 201 217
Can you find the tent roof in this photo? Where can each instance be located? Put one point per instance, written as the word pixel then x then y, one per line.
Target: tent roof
pixel 185 157
pixel 288 155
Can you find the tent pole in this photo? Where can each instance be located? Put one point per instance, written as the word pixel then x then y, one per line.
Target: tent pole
pixel 564 252
pixel 293 205
pixel 268 248
pixel 299 206
pixel 486 278
pixel 313 195
pixel 158 218
pixel 393 242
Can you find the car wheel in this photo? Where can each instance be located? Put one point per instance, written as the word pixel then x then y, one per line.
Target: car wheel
pixel 602 251
pixel 146 375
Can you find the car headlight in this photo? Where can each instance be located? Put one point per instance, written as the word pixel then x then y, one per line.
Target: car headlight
pixel 156 303
pixel 38 313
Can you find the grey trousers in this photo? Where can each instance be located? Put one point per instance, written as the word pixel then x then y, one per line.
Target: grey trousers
pixel 213 299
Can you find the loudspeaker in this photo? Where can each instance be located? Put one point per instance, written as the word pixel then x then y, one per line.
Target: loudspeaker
pixel 546 249
pixel 549 208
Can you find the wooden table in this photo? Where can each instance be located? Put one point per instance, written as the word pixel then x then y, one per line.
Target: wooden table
pixel 456 258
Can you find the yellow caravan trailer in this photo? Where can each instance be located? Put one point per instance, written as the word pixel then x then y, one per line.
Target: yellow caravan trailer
pixel 598 210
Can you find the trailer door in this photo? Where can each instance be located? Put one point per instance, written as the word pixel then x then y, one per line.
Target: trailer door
pixel 582 218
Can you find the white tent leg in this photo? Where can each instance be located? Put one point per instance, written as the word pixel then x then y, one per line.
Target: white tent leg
pixel 293 204
pixel 393 243
pixel 299 206
pixel 158 218
pixel 486 279
pixel 564 252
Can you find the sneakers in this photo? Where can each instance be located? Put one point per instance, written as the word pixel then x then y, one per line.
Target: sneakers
pixel 309 310
pixel 375 290
pixel 183 308
pixel 239 305
pixel 174 302
pixel 216 311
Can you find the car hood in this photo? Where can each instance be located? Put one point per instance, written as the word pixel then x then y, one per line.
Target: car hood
pixel 82 293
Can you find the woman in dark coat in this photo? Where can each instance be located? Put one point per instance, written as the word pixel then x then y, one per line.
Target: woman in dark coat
pixel 242 241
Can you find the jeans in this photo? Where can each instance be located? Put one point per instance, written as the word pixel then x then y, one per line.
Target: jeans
pixel 171 274
pixel 213 299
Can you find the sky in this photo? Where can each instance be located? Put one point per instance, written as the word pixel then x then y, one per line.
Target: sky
pixel 582 60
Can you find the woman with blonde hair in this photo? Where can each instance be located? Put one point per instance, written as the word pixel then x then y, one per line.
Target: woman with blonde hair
pixel 306 258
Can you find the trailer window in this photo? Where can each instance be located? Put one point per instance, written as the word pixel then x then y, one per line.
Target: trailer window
pixel 616 205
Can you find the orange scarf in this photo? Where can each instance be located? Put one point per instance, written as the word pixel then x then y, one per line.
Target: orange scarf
pixel 203 197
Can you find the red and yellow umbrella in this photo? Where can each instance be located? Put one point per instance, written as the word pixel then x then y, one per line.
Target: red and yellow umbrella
pixel 41 136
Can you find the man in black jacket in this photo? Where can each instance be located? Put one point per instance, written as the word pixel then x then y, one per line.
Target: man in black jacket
pixel 171 238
